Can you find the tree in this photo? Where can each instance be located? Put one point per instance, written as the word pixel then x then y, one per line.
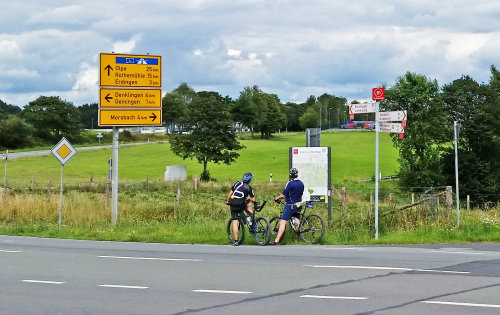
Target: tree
pixel 244 108
pixel 15 133
pixel 53 118
pixel 309 119
pixel 174 109
pixel 175 105
pixel 465 101
pixel 6 109
pixel 425 132
pixel 210 136
pixel 89 115
pixel 275 115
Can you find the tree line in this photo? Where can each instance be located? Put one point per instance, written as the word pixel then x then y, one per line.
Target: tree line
pixel 206 126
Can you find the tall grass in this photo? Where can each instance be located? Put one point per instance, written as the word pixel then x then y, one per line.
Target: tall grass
pixel 148 212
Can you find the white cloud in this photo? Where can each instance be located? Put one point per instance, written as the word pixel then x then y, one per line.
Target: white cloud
pixel 288 47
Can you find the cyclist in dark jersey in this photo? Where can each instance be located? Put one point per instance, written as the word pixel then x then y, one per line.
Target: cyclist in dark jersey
pixel 238 199
pixel 292 194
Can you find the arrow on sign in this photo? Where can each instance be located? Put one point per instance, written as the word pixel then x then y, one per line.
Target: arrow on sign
pixel 109 68
pixel 107 98
pixel 154 116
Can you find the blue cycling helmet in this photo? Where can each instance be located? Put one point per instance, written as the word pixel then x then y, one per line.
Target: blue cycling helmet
pixel 247 177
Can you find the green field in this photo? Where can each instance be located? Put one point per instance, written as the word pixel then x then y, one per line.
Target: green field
pixel 353 158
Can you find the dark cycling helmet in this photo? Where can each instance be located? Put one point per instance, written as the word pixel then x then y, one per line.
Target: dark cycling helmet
pixel 247 177
pixel 293 172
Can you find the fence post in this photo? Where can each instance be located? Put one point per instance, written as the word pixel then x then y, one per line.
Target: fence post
pixel 468 202
pixel 48 191
pixel 412 197
pixel 91 178
pixel 106 194
pixel 178 196
pixel 449 199
pixel 344 200
pixel 196 183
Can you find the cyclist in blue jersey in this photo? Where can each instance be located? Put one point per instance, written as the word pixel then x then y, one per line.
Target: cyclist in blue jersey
pixel 292 194
pixel 238 199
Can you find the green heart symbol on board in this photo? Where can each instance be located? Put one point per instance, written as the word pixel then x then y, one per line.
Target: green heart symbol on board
pixel 310 190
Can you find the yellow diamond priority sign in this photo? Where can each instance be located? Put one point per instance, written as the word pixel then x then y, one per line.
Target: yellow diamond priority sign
pixel 63 151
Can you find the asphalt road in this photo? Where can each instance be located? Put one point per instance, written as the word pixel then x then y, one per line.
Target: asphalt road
pixel 52 276
pixel 16 155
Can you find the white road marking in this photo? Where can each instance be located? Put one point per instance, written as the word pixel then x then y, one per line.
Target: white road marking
pixel 455 252
pixel 334 297
pixel 463 304
pixel 150 258
pixel 10 251
pixel 223 291
pixel 338 248
pixel 444 271
pixel 122 286
pixel 388 268
pixel 361 267
pixel 44 281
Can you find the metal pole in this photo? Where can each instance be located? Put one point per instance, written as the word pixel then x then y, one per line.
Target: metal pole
pixel 114 178
pixel 455 132
pixel 6 156
pixel 377 129
pixel 61 197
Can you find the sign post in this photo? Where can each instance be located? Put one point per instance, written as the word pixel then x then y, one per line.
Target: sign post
pixel 5 157
pixel 129 95
pixel 378 94
pixel 63 151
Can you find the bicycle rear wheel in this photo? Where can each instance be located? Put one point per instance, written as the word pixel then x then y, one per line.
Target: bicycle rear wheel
pixel 274 225
pixel 241 232
pixel 312 229
pixel 262 232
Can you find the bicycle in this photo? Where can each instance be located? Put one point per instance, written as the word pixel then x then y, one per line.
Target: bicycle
pixel 311 228
pixel 261 233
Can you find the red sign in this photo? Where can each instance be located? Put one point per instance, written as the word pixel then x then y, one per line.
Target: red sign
pixel 401 136
pixel 378 94
pixel 351 116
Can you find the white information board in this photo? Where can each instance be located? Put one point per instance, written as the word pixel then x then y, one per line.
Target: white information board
pixel 313 164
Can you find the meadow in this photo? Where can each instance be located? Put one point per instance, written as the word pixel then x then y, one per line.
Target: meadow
pixel 151 210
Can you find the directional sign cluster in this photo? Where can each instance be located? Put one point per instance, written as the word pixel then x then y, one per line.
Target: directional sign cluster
pixel 393 122
pixel 130 90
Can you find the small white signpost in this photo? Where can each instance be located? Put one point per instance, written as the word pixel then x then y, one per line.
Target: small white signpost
pixel 99 136
pixel 63 151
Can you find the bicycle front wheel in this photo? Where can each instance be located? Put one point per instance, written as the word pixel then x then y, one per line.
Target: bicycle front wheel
pixel 241 232
pixel 262 231
pixel 312 229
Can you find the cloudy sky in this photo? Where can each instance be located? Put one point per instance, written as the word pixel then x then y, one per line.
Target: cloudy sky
pixel 293 48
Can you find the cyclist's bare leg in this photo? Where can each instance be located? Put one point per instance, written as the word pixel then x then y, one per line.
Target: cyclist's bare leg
pixel 281 231
pixel 235 229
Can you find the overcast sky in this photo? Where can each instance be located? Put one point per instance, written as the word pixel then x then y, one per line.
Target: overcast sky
pixel 291 48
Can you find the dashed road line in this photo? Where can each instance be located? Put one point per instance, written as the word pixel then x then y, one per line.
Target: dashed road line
pixel 462 304
pixel 223 291
pixel 43 281
pixel 388 268
pixel 10 251
pixel 334 297
pixel 455 252
pixel 151 258
pixel 123 286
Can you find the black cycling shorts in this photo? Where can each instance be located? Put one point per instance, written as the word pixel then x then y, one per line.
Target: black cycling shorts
pixel 236 210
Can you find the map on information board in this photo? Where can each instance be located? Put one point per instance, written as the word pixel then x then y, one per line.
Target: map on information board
pixel 313 164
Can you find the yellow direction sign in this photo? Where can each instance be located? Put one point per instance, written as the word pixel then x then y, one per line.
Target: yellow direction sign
pixel 130 117
pixel 130 70
pixel 136 98
pixel 63 151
